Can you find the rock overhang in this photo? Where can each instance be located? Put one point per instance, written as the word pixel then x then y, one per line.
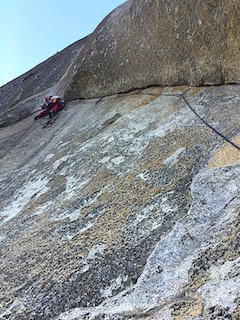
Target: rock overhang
pixel 182 44
pixel 128 206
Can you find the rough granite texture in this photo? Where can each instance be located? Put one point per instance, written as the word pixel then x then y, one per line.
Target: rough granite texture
pixel 24 95
pixel 140 44
pixel 177 42
pixel 127 207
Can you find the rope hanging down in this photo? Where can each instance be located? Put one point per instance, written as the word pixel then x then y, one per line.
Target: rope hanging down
pixel 179 95
pixel 156 95
pixel 213 129
pixel 15 143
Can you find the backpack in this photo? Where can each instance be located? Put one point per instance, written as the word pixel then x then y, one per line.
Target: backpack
pixel 55 99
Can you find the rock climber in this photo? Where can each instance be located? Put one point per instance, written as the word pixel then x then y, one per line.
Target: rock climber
pixel 57 104
pixel 47 101
pixel 51 106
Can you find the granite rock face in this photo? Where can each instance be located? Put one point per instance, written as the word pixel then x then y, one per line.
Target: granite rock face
pixel 24 95
pixel 161 42
pixel 140 44
pixel 127 207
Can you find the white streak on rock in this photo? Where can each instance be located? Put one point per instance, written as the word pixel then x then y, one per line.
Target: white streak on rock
pixel 222 288
pixel 59 161
pixel 174 157
pixel 31 189
pixel 98 248
pixel 115 284
pixel 118 160
pixel 166 271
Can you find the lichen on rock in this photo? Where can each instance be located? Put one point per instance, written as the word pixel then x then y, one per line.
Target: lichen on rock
pixel 123 217
pixel 127 207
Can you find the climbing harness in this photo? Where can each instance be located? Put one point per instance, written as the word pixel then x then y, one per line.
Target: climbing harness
pixel 50 121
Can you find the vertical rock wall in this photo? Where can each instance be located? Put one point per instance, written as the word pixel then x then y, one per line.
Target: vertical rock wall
pixel 161 42
pixel 124 208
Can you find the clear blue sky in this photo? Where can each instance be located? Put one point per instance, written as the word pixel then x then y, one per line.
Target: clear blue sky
pixel 33 30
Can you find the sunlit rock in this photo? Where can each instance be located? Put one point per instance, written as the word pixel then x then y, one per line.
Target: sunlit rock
pixel 121 209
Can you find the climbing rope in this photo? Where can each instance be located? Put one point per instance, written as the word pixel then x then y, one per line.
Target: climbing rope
pixel 15 143
pixel 208 125
pixel 179 95
pixel 49 122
